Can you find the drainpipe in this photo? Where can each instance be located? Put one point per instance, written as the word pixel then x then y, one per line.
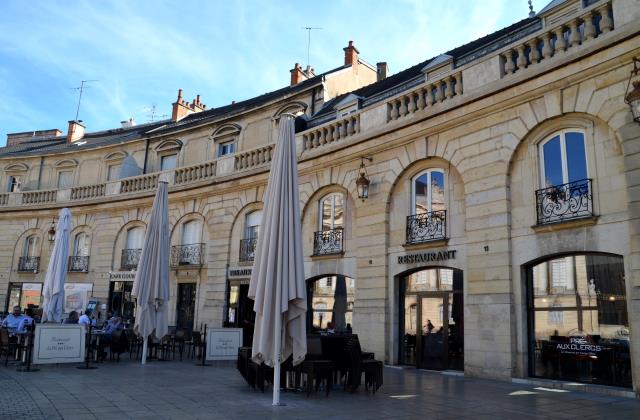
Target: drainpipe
pixel 146 153
pixel 40 172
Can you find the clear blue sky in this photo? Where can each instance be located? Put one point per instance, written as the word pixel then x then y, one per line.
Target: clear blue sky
pixel 143 51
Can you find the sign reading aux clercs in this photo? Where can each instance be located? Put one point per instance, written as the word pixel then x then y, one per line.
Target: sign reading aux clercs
pixel 424 257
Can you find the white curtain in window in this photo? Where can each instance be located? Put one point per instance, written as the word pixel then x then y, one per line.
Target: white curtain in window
pixel 65 179
pixel 252 224
pixel 191 232
pixel 81 245
pixel 135 236
pixel 30 246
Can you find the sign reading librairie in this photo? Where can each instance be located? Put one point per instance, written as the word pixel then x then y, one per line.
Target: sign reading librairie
pixel 57 343
pixel 223 343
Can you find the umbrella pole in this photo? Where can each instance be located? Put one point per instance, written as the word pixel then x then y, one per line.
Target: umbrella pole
pixel 277 350
pixel 144 350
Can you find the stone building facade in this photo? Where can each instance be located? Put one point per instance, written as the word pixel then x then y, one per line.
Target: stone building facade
pixel 501 231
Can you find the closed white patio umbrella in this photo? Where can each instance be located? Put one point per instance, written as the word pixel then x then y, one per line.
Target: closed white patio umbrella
pixel 277 281
pixel 151 284
pixel 53 287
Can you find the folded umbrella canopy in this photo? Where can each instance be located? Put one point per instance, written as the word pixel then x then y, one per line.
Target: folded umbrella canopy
pixel 54 279
pixel 277 281
pixel 151 284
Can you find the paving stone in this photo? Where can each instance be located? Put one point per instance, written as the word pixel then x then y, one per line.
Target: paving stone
pixel 175 390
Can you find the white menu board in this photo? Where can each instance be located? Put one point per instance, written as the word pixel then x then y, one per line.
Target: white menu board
pixel 58 343
pixel 223 343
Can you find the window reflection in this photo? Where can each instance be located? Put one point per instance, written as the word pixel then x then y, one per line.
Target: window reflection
pixel 581 327
pixel 331 303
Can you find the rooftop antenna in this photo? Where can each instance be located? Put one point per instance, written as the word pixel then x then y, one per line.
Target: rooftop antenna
pixel 151 113
pixel 531 12
pixel 81 88
pixel 309 29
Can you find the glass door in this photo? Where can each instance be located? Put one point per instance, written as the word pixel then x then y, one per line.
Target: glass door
pixel 433 334
pixel 186 306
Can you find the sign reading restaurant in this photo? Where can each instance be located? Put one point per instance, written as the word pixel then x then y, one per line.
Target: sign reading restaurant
pixel 424 257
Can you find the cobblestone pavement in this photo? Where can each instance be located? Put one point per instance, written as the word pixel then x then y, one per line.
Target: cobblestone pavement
pixel 181 390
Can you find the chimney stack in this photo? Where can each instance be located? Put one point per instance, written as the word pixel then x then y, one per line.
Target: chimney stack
pixel 351 55
pixel 382 70
pixel 75 131
pixel 182 108
pixel 297 75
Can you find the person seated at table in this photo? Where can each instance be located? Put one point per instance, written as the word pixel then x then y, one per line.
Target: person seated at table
pixel 115 325
pixel 84 319
pixel 331 329
pixel 72 318
pixel 12 321
pixel 26 321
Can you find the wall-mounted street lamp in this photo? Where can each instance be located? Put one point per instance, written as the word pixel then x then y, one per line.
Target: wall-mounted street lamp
pixel 52 231
pixel 362 183
pixel 632 97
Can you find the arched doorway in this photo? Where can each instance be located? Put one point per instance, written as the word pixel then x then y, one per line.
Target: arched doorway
pixel 431 332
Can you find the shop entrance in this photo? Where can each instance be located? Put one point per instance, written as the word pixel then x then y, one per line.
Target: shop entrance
pixel 186 306
pixel 431 319
pixel 240 312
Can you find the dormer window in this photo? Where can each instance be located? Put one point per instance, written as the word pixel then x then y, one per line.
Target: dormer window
pixel 168 162
pixel 14 183
pixel 225 139
pixel 227 148
pixel 167 152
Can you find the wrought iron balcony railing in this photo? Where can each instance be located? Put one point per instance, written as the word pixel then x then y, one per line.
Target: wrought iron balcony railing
pixel 130 259
pixel 247 249
pixel 426 227
pixel 29 264
pixel 187 255
pixel 328 242
pixel 78 264
pixel 564 202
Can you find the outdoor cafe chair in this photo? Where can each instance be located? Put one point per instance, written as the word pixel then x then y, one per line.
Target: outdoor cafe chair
pixel 316 368
pixel 196 343
pixel 362 363
pixel 6 346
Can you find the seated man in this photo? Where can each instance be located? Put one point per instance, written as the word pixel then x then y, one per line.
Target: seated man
pixel 72 318
pixel 84 319
pixel 27 320
pixel 12 321
pixel 115 325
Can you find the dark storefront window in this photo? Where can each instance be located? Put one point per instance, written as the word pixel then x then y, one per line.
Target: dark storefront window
pixel 120 300
pixel 330 304
pixel 579 328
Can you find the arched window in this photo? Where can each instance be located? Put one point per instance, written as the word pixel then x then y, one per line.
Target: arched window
pixel 29 260
pixel 332 212
pixel 563 159
pixel 132 248
pixel 30 248
pixel 81 245
pixel 191 231
pixel 252 224
pixel 135 237
pixel 428 192
pixel 225 139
